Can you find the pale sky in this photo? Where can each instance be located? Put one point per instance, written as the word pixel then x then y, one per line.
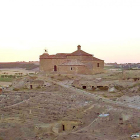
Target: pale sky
pixel 109 29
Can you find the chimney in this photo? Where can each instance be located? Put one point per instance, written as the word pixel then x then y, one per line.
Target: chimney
pixel 78 47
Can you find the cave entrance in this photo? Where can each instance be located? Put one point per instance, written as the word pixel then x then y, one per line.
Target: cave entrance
pixel 93 88
pixel 63 127
pixel 84 87
pixel 135 79
pixel 106 87
pixel 99 86
pixel 31 86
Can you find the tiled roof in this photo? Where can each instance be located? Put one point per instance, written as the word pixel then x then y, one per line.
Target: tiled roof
pixel 44 55
pixel 80 53
pixel 61 54
pixel 96 59
pixel 72 62
pixel 57 56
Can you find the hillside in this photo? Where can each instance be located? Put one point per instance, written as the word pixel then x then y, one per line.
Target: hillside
pixel 25 65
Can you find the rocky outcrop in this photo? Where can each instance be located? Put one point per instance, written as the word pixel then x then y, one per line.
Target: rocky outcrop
pixel 134 89
pixel 57 128
pixel 112 90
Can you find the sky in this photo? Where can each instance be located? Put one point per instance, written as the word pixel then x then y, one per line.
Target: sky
pixel 108 29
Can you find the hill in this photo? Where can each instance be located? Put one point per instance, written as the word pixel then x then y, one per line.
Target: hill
pixel 25 65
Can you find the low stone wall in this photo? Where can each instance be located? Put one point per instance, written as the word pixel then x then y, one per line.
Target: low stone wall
pixel 58 127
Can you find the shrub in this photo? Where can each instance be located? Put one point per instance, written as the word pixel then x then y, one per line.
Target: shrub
pixel 38 87
pixel 16 89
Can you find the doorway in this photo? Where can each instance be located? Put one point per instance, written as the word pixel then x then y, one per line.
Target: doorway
pixel 73 127
pixel 84 87
pixel 55 68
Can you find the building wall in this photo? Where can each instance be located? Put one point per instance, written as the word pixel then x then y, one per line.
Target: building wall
pixel 47 65
pixel 93 66
pixel 89 64
pixel 101 64
pixel 97 69
pixel 82 58
pixel 75 70
pixel 67 69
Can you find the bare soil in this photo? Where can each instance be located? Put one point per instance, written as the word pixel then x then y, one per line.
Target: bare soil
pixel 21 111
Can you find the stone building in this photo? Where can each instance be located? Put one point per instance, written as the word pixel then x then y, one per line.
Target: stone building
pixel 78 62
pixel 28 83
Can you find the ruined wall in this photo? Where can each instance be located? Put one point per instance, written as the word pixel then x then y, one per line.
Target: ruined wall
pixel 32 85
pixel 92 85
pixel 58 127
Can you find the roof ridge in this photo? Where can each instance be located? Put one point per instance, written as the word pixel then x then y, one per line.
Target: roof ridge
pixel 79 52
pixel 95 58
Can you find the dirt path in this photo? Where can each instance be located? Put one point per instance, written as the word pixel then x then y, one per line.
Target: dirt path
pixel 96 97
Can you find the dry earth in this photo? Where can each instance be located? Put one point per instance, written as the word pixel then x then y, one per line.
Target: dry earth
pixel 63 112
